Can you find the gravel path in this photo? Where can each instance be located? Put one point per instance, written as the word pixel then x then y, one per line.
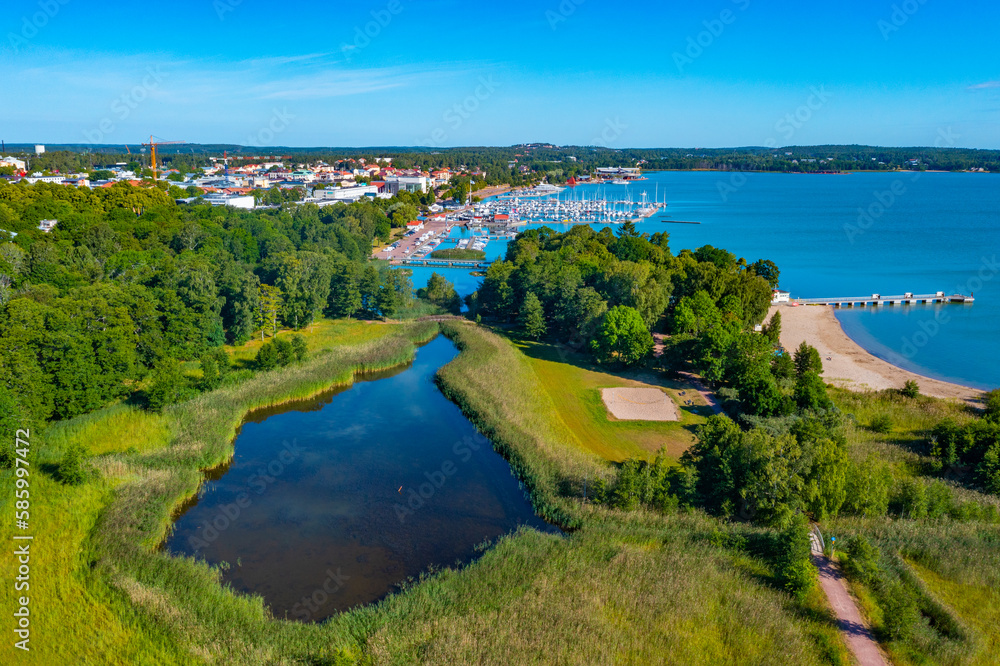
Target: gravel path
pixel 856 633
pixel 705 393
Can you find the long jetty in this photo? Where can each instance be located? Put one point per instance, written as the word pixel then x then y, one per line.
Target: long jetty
pixel 446 263
pixel 877 300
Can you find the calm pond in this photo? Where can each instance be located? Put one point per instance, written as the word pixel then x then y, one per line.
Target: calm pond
pixel 331 503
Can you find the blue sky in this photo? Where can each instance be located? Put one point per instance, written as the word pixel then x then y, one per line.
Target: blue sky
pixel 446 73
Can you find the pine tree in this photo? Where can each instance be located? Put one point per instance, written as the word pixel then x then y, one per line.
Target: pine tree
pixel 772 329
pixel 270 305
pixel 533 317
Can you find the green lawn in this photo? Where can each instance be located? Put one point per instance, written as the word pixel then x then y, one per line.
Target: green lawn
pixel 323 335
pixel 575 386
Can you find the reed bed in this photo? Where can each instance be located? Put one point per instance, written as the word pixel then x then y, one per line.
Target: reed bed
pixel 619 588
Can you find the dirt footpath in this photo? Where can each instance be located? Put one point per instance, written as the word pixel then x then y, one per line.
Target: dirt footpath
pixel 856 633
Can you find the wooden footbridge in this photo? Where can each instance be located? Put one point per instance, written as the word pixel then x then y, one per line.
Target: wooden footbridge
pixel 878 300
pixel 444 263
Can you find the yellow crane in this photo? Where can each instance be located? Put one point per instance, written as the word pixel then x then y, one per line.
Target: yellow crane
pixel 152 151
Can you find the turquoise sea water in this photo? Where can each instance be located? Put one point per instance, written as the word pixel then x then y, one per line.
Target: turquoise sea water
pixel 850 235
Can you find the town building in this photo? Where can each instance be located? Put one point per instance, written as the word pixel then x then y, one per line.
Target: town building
pixel 346 194
pixel 245 202
pixel 19 165
pixel 397 184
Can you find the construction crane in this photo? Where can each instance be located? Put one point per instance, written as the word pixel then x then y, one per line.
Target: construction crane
pixel 152 151
pixel 225 159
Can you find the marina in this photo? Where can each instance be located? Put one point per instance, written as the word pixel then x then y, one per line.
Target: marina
pixel 541 205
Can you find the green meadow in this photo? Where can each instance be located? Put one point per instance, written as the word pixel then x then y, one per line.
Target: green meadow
pixel 617 587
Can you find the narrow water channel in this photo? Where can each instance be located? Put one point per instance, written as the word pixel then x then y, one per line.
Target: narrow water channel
pixel 331 503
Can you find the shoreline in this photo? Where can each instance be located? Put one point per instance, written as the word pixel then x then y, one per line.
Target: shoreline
pixel 847 364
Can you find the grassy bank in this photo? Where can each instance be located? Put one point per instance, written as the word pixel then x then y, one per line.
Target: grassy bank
pixel 621 588
pixel 102 593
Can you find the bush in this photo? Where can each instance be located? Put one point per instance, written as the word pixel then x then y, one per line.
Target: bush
pixel 868 488
pixel 794 568
pixel 286 353
pixel 73 468
pixel 168 385
pixel 911 499
pixel 299 347
pixel 989 469
pixel 910 389
pixel 992 401
pixel 882 424
pixel 281 352
pixel 267 357
pixel 215 365
pixel 899 610
pixel 862 560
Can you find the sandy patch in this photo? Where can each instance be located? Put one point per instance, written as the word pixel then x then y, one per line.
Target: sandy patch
pixel 639 404
pixel 846 363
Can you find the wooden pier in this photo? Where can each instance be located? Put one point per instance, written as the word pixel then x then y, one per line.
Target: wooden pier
pixel 878 300
pixel 444 263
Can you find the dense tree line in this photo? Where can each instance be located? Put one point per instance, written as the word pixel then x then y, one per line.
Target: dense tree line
pixel 557 163
pixel 606 292
pixel 129 283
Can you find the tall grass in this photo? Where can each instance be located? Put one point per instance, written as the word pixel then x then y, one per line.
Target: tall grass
pixel 108 596
pixel 622 588
pixel 498 391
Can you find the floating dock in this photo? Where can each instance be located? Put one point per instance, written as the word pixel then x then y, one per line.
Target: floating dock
pixel 877 300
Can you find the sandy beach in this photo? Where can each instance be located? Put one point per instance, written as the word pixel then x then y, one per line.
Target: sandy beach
pixel 846 363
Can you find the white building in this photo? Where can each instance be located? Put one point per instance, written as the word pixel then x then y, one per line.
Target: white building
pixel 31 180
pixel 47 225
pixel 779 296
pixel 246 202
pixel 346 194
pixel 628 173
pixel 397 184
pixel 20 165
pixel 39 149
